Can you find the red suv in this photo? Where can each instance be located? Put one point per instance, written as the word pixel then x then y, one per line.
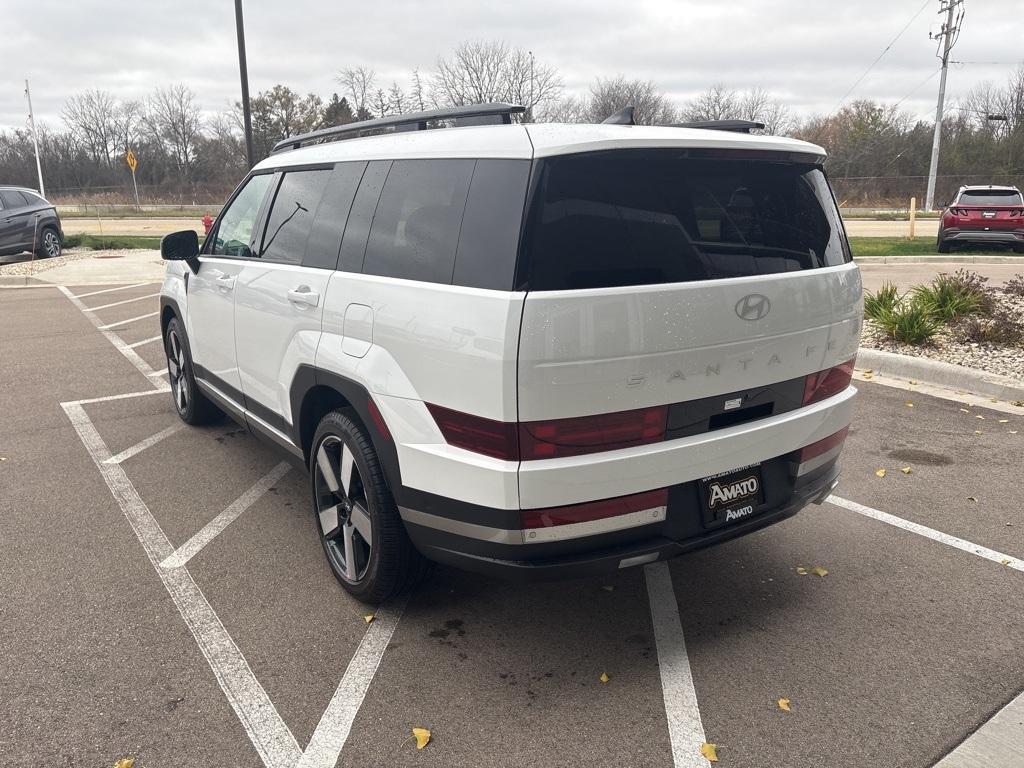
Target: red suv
pixel 983 215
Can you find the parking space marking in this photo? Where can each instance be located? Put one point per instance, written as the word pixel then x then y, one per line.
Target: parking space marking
pixel 142 445
pixel 126 301
pixel 269 734
pixel 215 527
pixel 930 533
pixel 145 341
pixel 685 728
pixel 110 290
pixel 119 323
pixel 332 731
pixel 133 357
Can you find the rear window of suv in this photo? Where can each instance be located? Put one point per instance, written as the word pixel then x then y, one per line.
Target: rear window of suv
pixel 639 217
pixel 991 197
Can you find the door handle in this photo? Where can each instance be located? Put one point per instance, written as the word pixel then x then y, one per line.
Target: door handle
pixel 304 296
pixel 226 282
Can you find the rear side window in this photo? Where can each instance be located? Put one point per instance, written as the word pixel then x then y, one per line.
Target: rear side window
pixel 628 217
pixel 291 216
pixel 991 197
pixel 13 199
pixel 325 236
pixel 415 229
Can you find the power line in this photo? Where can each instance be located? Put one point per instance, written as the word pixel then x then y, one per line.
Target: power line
pixel 884 51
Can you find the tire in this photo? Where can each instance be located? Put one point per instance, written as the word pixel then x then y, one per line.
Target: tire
pixel 49 245
pixel 355 515
pixel 942 245
pixel 192 405
pixel 1018 248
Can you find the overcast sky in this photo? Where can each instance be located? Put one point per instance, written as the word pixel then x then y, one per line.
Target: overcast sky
pixel 806 52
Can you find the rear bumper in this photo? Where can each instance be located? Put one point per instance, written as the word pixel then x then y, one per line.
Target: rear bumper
pixel 962 235
pixel 607 552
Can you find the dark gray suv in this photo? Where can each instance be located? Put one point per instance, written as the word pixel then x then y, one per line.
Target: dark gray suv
pixel 28 223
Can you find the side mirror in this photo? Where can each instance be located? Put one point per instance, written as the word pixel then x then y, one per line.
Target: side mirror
pixel 181 246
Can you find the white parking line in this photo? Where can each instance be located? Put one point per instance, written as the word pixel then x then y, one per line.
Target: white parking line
pixel 149 442
pixel 126 301
pixel 332 731
pixel 685 729
pixel 133 357
pixel 144 341
pixel 119 323
pixel 262 723
pixel 109 290
pixel 212 529
pixel 930 533
pixel 125 396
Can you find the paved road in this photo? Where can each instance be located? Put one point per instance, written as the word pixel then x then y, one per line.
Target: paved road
pixel 894 657
pixel 154 226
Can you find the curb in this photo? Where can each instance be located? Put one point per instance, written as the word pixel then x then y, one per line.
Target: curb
pixel 940 374
pixel 932 259
pixel 16 281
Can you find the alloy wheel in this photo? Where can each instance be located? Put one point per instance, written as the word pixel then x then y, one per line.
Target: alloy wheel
pixel 343 509
pixel 51 243
pixel 176 372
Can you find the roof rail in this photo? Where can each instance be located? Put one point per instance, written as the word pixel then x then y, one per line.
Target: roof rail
pixel 738 126
pixel 473 114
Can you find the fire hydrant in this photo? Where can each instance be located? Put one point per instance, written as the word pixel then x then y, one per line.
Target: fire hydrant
pixel 207 223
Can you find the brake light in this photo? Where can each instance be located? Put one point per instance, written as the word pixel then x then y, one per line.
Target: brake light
pixel 829 382
pixel 823 446
pixel 587 434
pixel 654 502
pixel 475 433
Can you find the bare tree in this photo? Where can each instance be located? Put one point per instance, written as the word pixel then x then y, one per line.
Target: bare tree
pixel 358 84
pixel 479 71
pixel 719 102
pixel 398 103
pixel 650 106
pixel 716 103
pixel 571 109
pixel 92 117
pixel 417 97
pixel 175 120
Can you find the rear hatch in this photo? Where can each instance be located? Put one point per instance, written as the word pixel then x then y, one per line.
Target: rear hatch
pixel 992 209
pixel 674 277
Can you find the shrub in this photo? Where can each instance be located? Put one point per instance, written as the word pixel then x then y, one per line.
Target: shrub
pixel 1001 328
pixel 950 297
pixel 877 305
pixel 1015 286
pixel 910 323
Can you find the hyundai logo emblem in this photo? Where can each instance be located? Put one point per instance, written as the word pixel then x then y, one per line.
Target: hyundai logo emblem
pixel 753 306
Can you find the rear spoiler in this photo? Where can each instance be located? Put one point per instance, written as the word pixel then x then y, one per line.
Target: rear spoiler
pixel 736 126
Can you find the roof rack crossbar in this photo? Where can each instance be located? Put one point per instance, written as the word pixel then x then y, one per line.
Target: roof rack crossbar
pixel 473 114
pixel 739 126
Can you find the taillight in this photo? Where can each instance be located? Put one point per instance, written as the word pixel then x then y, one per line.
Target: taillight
pixel 587 434
pixel 829 382
pixel 823 446
pixel 378 419
pixel 654 502
pixel 477 434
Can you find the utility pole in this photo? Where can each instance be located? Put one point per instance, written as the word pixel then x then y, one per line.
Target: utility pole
pixel 35 139
pixel 244 73
pixel 947 37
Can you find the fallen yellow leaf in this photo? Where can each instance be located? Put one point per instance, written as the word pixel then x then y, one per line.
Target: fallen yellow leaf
pixel 913 381
pixel 869 370
pixel 906 470
pixel 978 432
pixel 979 416
pixel 422 737
pixel 909 404
pixel 867 375
pixel 971 498
pixel 880 473
pixel 1004 421
pixel 819 571
pixel 604 677
pixel 964 410
pixel 801 570
pixel 1013 431
pixel 368 618
pixel 1004 562
pixel 784 705
pixel 710 751
pixel 125 762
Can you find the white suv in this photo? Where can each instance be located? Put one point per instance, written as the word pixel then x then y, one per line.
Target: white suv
pixel 532 350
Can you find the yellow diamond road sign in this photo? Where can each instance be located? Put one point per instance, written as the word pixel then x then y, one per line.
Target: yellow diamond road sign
pixel 130 158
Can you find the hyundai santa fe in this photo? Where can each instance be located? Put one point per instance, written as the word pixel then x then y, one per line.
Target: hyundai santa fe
pixel 530 350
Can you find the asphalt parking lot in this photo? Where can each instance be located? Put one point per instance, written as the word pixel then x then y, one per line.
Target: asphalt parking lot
pixel 164 596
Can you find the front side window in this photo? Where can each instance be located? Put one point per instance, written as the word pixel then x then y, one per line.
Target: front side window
pixel 292 215
pixel 415 229
pixel 234 233
pixel 630 217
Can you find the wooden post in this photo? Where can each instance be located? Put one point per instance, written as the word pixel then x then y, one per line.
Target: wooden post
pixel 913 215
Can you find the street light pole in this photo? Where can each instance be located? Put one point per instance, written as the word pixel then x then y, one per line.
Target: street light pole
pixel 244 73
pixel 35 139
pixel 948 36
